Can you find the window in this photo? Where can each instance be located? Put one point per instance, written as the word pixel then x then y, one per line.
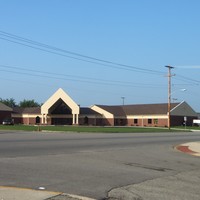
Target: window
pixel 155 121
pixel 135 121
pixel 86 120
pixel 37 120
pixel 149 121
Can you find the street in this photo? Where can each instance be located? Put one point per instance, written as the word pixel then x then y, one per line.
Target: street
pixel 90 164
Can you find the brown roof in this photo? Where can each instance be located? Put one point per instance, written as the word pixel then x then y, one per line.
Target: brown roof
pixel 28 110
pixel 88 111
pixel 3 107
pixel 37 110
pixel 115 110
pixel 140 109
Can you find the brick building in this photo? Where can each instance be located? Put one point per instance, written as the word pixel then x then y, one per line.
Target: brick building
pixel 146 114
pixel 60 109
pixel 5 112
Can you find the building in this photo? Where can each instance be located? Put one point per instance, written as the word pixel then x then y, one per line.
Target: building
pixel 61 109
pixel 5 112
pixel 146 114
pixel 26 115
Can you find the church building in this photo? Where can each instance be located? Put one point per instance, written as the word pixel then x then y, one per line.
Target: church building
pixel 61 109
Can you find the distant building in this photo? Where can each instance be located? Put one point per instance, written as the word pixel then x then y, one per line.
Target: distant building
pixel 60 109
pixel 5 112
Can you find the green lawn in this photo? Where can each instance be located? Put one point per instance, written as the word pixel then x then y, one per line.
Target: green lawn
pixel 188 127
pixel 91 129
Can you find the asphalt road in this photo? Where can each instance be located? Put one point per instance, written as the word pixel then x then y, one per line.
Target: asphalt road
pixel 91 164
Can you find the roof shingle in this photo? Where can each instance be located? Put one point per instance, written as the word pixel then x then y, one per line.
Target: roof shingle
pixel 28 110
pixel 138 109
pixel 3 107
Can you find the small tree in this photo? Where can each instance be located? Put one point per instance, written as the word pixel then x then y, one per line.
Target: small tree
pixel 28 103
pixel 9 102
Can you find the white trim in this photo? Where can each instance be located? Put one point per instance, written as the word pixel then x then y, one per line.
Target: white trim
pixel 103 112
pixel 177 106
pixel 26 115
pixel 147 117
pixel 60 94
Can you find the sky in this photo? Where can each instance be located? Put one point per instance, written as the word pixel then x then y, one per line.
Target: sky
pixel 100 51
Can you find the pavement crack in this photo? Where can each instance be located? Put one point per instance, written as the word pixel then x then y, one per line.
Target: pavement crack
pixel 63 197
pixel 160 169
pixel 122 194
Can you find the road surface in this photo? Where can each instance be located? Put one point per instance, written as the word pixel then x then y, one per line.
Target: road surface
pixel 89 164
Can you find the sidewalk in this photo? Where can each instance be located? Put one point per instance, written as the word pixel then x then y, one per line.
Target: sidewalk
pixel 182 186
pixel 13 193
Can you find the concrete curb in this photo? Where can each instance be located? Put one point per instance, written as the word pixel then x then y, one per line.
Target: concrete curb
pixel 11 193
pixel 192 148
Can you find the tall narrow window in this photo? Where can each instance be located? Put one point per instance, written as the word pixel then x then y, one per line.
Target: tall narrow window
pixel 149 121
pixel 86 120
pixel 37 120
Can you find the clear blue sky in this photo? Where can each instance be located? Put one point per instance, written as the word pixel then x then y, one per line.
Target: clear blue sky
pixel 141 36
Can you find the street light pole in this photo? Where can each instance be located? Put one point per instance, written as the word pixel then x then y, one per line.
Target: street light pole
pixel 123 100
pixel 169 95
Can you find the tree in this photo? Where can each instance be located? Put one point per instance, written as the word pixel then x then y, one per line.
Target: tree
pixel 9 102
pixel 28 103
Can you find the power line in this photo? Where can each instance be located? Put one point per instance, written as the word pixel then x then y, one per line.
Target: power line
pixel 58 76
pixel 44 47
pixel 71 57
pixel 80 57
pixel 188 79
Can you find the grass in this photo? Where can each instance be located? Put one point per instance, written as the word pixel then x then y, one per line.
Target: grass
pixel 90 129
pixel 188 127
pixel 18 127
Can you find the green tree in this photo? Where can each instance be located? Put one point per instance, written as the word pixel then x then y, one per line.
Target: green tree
pixel 9 102
pixel 28 103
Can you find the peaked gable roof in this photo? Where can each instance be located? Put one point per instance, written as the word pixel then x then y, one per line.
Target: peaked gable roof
pixel 183 109
pixel 60 94
pixel 4 107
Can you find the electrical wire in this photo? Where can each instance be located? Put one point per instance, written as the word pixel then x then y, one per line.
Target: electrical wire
pixel 189 79
pixel 80 57
pixel 44 47
pixel 58 76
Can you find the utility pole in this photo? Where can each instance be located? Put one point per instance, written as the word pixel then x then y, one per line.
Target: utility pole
pixel 169 95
